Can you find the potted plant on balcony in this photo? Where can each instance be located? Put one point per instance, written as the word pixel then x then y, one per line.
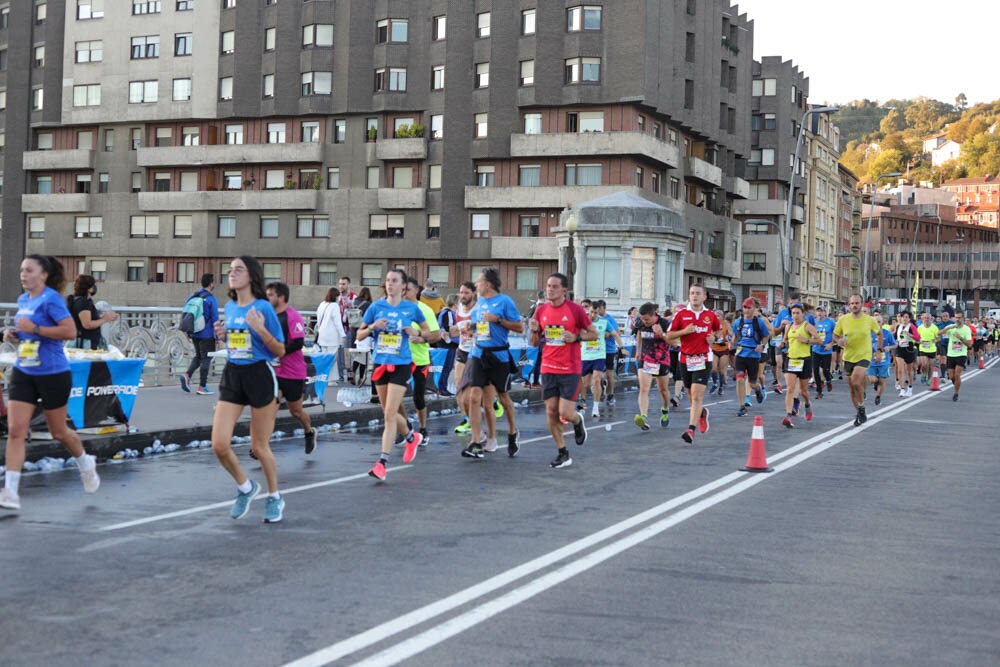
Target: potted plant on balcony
pixel 317 181
pixel 372 134
pixel 416 130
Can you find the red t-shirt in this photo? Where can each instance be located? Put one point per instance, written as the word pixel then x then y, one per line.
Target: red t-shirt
pixel 558 356
pixel 695 343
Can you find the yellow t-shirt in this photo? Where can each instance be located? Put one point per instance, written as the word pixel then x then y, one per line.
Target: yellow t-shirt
pixel 858 346
pixel 796 348
pixel 927 335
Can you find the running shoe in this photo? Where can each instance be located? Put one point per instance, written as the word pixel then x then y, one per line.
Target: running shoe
pixel 778 390
pixel 722 390
pixel 688 435
pixel 902 393
pixel 204 391
pixel 464 427
pixel 703 421
pixel 840 376
pixel 473 451
pixel 611 401
pixel 909 392
pixel 580 407
pixel 795 407
pixel 311 441
pixel 743 411
pixel 562 460
pixel 787 422
pixel 641 422
pixel 412 442
pixel 674 402
pixel 580 431
pixel 664 418
pixel 513 444
pixel 424 440
pixel 819 393
pixel 713 389
pixel 186 383
pixel 955 398
pixel 273 508
pixel 497 409
pixel 491 445
pixel 9 500
pixel 878 400
pixel 88 474
pixel 242 504
pixel 809 412
pixel 863 413
pixel 378 471
pixel 596 412
pixel 746 402
pixel 829 385
pixel 857 419
pixel 897 386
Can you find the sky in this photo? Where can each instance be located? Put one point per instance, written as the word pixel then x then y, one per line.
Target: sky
pixel 883 49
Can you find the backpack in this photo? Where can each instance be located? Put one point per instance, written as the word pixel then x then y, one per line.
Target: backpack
pixel 193 314
pixel 758 335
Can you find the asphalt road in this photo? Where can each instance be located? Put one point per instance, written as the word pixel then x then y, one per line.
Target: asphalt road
pixel 877 545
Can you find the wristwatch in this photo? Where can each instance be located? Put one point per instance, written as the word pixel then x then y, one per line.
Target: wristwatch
pixel 38 330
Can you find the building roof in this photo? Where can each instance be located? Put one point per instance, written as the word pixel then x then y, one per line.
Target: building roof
pixel 620 200
pixel 977 180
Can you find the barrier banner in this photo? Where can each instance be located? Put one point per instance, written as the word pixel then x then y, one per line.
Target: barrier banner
pixel 103 392
pixel 318 367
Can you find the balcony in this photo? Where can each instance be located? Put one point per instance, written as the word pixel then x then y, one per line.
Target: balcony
pixel 763 207
pixel 401 149
pixel 737 187
pixel 229 200
pixel 57 203
pixel 573 144
pixel 524 248
pixel 699 170
pixel 546 196
pixel 82 158
pixel 390 198
pixel 229 154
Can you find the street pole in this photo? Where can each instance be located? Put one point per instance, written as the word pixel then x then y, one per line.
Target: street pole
pixel 786 264
pixel 868 232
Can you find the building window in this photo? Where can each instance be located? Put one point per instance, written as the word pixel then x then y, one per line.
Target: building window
pixel 89 227
pixel 390 78
pixel 402 178
pixel 438 28
pixel 190 136
pixel 326 274
pixel 528 226
pixel 437 78
pixel 689 93
pixel 36 228
pixel 269 37
pixel 483 24
pixel 272 271
pixel 4 17
pixel 268 228
pixel 268 86
pixel 227 227
pixel 333 178
pixel 136 181
pixel 232 180
pixel 770 87
pixel 189 181
pixel 582 70
pixel 43 185
pixel 603 270
pixel 317 34
pixel 313 226
pixel 161 181
pixel 144 227
pixel 527 77
pixel 528 22
pixel 185 5
pixel 529 175
pixel 754 261
pixel 317 83
pixel 767 157
pixel 532 123
pixel 770 121
pixel 136 271
pixel 339 131
pixel 583 174
pixel 275 133
pixel 143 92
pixel 392 30
pixel 638 177
pixel 308 178
pixel 484 176
pixel 371 274
pixel 182 90
pixel 274 179
pixel 103 183
pixel 482 75
pixel 39 56
pixel 689 47
pixel 88 95
pixel 185 272
pixel 434 177
pixel 182 226
pixel 481 125
pixel 433 225
pixel 41 13
pixel 89 9
pixel 99 269
pixel 37 99
pixel 228 42
pixel 437 126
pixel 480 225
pixel 385 226
pixel 83 184
pixel 590 121
pixel 226 88
pixel 182 44
pixel 90 52
pixel 310 132
pixel 584 17
pixel 145 7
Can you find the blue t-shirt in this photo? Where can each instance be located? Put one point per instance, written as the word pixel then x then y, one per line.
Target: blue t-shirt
pixel 610 344
pixel 746 332
pixel 491 334
pixel 825 329
pixel 242 343
pixel 888 340
pixel 392 346
pixel 38 355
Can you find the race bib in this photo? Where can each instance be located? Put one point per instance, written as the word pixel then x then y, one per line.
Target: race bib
pixel 796 365
pixel 695 362
pixel 555 335
pixel 483 331
pixel 238 344
pixel 650 367
pixel 389 343
pixel 957 345
pixel 777 341
pixel 904 343
pixel 27 354
pixel 593 345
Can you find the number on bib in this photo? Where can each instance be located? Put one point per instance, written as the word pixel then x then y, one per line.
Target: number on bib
pixel 27 354
pixel 695 362
pixel 238 344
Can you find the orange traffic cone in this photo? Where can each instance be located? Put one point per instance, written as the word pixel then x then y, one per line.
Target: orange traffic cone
pixel 982 363
pixel 935 380
pixel 757 458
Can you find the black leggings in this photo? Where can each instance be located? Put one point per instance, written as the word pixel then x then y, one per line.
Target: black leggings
pixel 420 386
pixel 821 362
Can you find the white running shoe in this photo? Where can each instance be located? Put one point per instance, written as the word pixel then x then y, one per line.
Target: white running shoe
pixel 596 412
pixel 491 445
pixel 91 480
pixel 909 392
pixel 9 500
pixel 902 393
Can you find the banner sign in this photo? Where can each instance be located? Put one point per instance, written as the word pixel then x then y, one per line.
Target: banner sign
pixel 103 392
pixel 915 297
pixel 318 368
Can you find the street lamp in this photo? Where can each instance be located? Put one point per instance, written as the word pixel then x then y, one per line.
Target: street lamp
pixel 572 224
pixel 787 263
pixel 868 232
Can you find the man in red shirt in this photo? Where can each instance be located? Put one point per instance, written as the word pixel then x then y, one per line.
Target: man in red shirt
pixel 560 325
pixel 695 326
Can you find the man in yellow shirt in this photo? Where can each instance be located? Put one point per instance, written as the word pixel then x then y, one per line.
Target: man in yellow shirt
pixel 854 335
pixel 928 332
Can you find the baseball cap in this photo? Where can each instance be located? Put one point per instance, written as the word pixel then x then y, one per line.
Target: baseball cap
pixel 749 303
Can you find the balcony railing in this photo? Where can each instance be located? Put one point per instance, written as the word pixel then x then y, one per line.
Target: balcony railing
pixel 62 202
pixel 229 200
pixel 58 160
pixel 594 143
pixel 390 198
pixel 229 154
pixel 401 149
pixel 524 248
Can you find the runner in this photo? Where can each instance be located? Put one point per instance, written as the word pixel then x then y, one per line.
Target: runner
pixel 613 343
pixel 420 352
pixel 878 371
pixel 253 339
pixel 907 337
pixel 752 332
pixel 695 327
pixel 960 339
pixel 291 368
pixel 561 325
pixel 593 357
pixel 463 331
pixel 391 321
pixel 41 373
pixel 493 318
pixel 800 336
pixel 653 361
pixel 928 333
pixel 853 335
pixel 822 353
pixel 942 345
pixel 720 350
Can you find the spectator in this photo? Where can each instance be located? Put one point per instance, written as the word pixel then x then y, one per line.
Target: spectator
pixel 204 340
pixel 429 296
pixel 85 314
pixel 446 320
pixel 330 334
pixel 345 300
pixel 361 303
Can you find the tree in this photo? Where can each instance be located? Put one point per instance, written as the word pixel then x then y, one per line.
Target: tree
pixel 981 155
pixel 927 116
pixel 894 121
pixel 951 170
pixel 885 162
pixel 961 102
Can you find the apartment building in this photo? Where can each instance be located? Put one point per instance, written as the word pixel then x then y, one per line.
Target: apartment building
pixel 848 254
pixel 149 141
pixel 822 195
